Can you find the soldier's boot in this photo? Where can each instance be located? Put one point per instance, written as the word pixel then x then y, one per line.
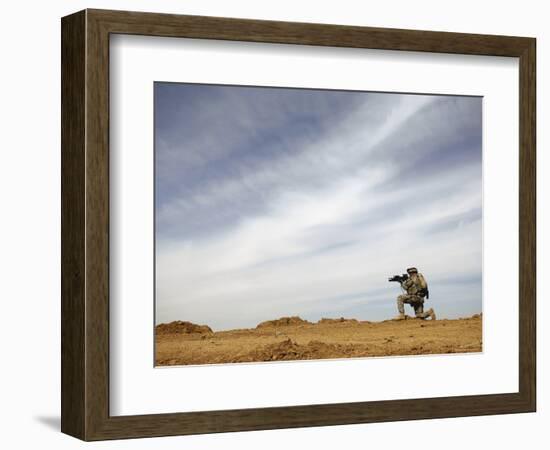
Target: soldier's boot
pixel 401 316
pixel 431 312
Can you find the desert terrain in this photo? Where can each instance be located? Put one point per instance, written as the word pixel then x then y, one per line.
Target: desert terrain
pixel 292 338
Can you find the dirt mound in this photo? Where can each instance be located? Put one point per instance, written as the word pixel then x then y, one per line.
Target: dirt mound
pixel 283 322
pixel 340 320
pixel 290 350
pixel 182 327
pixel 287 349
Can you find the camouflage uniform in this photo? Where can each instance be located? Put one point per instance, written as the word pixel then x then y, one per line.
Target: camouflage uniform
pixel 413 285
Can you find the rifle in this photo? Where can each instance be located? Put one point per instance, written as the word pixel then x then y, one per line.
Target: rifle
pixel 399 278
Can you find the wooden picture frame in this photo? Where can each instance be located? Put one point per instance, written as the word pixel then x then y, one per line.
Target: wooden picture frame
pixel 85 224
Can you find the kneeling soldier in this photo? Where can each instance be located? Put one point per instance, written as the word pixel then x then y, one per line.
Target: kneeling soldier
pixel 417 289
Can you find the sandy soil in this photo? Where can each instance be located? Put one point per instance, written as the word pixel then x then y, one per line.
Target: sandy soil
pixel 181 343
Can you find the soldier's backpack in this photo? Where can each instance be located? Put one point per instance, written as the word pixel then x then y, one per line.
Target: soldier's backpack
pixel 423 291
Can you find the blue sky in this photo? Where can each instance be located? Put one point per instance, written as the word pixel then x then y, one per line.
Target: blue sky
pixel 274 202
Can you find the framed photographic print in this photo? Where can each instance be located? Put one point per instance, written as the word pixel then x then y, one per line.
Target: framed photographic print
pixel 266 224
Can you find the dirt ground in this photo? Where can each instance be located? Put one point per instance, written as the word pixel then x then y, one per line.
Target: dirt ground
pixel 291 338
